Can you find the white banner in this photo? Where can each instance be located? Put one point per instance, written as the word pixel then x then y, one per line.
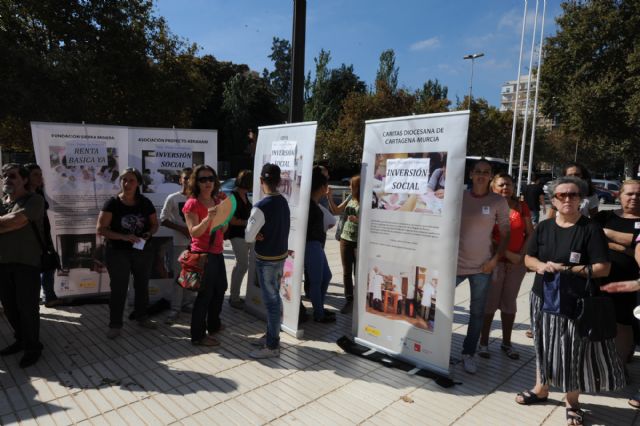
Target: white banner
pixel 81 165
pixel 408 239
pixel 291 145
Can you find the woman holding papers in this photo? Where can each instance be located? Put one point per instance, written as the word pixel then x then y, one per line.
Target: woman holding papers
pixel 127 221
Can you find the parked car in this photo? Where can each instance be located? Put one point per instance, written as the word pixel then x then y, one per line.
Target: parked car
pixel 228 185
pixel 608 190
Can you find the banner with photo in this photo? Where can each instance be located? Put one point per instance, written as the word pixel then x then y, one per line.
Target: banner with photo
pixel 81 165
pixel 408 237
pixel 161 154
pixel 291 147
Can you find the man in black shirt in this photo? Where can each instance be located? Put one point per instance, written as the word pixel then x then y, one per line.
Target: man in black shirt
pixel 534 197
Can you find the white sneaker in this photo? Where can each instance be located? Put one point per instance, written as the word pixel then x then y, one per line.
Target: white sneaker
pixel 265 352
pixel 469 364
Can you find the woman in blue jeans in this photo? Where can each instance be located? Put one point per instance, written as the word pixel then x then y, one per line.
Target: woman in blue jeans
pixel 315 260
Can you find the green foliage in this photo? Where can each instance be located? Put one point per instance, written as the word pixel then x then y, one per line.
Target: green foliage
pixel 387 71
pixel 591 78
pixel 280 78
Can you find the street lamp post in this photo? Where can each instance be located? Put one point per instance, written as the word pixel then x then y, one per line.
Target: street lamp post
pixel 473 57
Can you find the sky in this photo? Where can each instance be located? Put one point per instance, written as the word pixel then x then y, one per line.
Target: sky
pixel 429 37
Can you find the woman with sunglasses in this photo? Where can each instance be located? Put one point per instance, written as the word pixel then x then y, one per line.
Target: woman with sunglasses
pixel 621 226
pixel 199 212
pixel 567 244
pixel 589 203
pixel 128 221
pixel 509 271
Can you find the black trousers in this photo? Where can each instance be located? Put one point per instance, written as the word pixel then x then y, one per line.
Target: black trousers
pixel 348 251
pixel 20 296
pixel 208 304
pixel 121 264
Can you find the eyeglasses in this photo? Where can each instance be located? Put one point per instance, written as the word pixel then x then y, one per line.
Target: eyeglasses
pixel 204 179
pixel 564 195
pixel 11 176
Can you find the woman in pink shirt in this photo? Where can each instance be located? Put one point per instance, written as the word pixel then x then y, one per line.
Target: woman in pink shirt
pixel 199 211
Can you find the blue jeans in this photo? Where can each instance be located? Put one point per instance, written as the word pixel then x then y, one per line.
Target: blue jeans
pixel 269 276
pixel 535 217
pixel 479 285
pixel 319 274
pixel 47 280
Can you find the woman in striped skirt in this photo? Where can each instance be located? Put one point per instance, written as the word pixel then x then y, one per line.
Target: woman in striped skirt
pixel 567 245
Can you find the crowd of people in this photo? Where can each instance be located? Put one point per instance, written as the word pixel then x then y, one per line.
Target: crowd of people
pixel 501 237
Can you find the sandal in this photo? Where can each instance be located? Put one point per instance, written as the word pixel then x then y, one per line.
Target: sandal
pixel 207 341
pixel 634 401
pixel 510 352
pixel 483 352
pixel 575 416
pixel 529 334
pixel 530 398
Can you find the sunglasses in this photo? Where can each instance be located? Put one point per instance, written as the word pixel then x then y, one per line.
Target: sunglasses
pixel 564 195
pixel 205 179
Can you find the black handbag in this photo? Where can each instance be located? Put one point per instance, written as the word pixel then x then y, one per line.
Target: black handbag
pixel 596 314
pixel 49 259
pixel 561 292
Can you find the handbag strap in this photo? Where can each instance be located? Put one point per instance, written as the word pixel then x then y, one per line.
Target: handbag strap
pixel 588 287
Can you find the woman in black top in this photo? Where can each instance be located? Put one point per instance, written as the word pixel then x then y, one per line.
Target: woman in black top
pixel 128 221
pixel 566 244
pixel 621 228
pixel 242 250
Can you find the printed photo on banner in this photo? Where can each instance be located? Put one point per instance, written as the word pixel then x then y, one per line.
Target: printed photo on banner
pixel 286 282
pixel 161 168
pixel 82 266
pixel 79 168
pixel 285 154
pixel 410 182
pixel 402 293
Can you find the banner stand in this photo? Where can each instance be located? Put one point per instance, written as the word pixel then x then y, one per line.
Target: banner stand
pixel 380 356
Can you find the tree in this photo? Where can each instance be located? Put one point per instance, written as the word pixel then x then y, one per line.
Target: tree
pixel 280 78
pixel 432 98
pixel 329 89
pixel 489 129
pixel 591 78
pixel 387 71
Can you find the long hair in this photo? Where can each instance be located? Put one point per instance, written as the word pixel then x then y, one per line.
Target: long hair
pixel 355 188
pixel 138 176
pixel 194 189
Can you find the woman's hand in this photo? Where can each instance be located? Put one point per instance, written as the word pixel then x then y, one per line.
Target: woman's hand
pixel 488 266
pixel 211 212
pixel 352 218
pixel 513 258
pixel 621 287
pixel 130 238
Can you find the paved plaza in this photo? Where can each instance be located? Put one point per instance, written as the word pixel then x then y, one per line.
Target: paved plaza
pixel 158 377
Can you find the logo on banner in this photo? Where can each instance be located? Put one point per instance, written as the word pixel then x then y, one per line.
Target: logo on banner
pixel 283 154
pixel 80 153
pixel 372 331
pixel 407 176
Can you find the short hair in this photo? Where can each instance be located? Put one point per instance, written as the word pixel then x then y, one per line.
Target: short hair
pixel 629 182
pixel 318 179
pixel 22 171
pixel 244 179
pixel 581 184
pixel 32 166
pixel 194 189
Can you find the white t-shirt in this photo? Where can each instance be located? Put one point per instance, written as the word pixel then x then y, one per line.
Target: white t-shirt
pixel 427 293
pixel 377 286
pixel 172 211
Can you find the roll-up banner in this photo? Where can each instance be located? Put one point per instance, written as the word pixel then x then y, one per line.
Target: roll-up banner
pixel 408 239
pixel 160 155
pixel 81 165
pixel 291 146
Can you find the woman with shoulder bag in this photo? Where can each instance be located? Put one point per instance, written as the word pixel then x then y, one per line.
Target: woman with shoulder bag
pixel 199 212
pixel 128 221
pixel 563 252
